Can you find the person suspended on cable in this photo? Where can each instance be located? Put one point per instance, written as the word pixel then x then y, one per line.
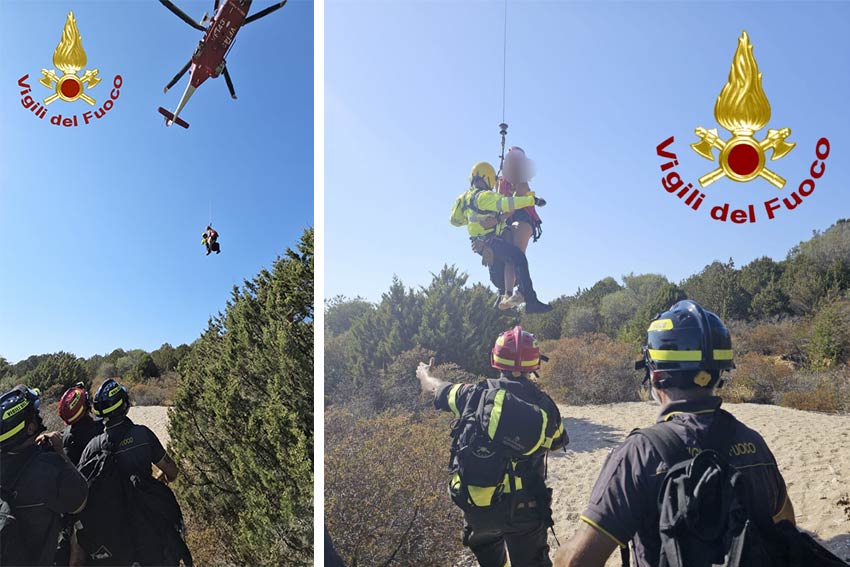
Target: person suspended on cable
pixel 209 238
pixel 484 213
pixel 525 223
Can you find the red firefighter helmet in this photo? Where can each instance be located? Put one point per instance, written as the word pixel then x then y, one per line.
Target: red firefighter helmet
pixel 516 350
pixel 74 404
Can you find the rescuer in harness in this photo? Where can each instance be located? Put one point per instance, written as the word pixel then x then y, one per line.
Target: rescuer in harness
pixel 209 238
pixel 505 427
pixel 484 212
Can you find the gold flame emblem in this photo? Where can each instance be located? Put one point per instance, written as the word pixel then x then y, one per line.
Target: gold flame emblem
pixel 742 108
pixel 69 58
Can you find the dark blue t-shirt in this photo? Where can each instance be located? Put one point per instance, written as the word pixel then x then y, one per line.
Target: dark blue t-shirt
pixel 623 503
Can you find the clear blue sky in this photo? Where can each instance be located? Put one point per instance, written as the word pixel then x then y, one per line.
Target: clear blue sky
pixel 413 99
pixel 100 225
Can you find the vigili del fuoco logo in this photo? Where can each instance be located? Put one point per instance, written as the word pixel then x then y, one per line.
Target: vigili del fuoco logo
pixel 743 109
pixel 69 87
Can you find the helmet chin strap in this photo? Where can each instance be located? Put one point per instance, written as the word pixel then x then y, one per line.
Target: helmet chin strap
pixel 654 393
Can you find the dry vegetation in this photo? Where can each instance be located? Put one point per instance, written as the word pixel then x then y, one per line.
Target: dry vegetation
pixel 592 369
pixel 385 489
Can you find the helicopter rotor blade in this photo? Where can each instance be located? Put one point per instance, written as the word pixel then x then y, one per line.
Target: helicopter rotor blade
pixel 265 12
pixel 179 74
pixel 229 83
pixel 182 15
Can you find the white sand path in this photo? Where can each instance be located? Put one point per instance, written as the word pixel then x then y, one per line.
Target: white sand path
pixel 812 449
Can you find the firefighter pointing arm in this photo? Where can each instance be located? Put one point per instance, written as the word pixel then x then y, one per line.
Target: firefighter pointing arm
pixel 504 429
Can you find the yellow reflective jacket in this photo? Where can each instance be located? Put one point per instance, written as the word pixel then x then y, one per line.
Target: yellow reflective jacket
pixel 478 208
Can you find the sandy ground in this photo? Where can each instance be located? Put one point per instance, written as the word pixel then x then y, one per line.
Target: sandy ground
pixel 812 449
pixel 156 418
pixel 813 452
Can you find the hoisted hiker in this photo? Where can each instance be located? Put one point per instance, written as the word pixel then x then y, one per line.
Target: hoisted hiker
pixel 484 211
pixel 80 428
pixel 505 428
pixel 209 238
pixel 524 223
pixel 130 518
pixel 38 483
pixel 646 491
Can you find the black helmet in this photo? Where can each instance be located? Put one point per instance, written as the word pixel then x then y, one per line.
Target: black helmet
pixel 688 345
pixel 111 399
pixel 18 408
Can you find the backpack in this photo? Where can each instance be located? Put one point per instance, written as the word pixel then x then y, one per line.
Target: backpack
pixel 703 519
pixel 12 548
pixel 158 509
pixel 464 202
pixel 104 526
pixel 495 433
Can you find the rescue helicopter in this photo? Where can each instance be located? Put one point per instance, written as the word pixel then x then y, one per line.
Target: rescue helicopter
pixel 209 58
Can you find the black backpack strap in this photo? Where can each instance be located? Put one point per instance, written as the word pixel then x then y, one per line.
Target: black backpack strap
pixel 672 450
pixel 664 440
pixel 720 432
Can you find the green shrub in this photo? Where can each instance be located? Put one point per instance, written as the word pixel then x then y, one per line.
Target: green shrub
pixel 830 343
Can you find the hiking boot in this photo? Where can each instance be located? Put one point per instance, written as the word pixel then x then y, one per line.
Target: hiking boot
pixel 512 301
pixel 498 302
pixel 537 306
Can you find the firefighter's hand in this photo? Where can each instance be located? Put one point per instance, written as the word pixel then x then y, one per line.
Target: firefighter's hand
pixel 539 202
pixel 427 382
pixel 52 439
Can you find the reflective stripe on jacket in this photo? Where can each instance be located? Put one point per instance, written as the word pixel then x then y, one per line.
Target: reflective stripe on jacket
pixel 483 206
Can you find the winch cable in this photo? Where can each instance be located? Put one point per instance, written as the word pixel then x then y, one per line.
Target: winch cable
pixel 503 127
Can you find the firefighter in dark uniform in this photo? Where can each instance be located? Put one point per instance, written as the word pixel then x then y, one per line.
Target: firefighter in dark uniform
pixel 522 529
pixel 687 349
pixel 34 469
pixel 137 446
pixel 80 428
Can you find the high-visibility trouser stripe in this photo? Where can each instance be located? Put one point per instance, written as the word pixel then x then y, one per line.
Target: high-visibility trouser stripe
pixel 509 362
pixel 12 431
pixel 687 355
pixel 542 433
pixel 496 414
pixel 112 407
pixel 453 399
pixel 601 529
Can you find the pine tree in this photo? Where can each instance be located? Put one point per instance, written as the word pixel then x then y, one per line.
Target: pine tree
pixel 242 424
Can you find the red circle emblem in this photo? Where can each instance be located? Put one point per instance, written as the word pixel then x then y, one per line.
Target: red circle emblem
pixel 743 159
pixel 70 88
